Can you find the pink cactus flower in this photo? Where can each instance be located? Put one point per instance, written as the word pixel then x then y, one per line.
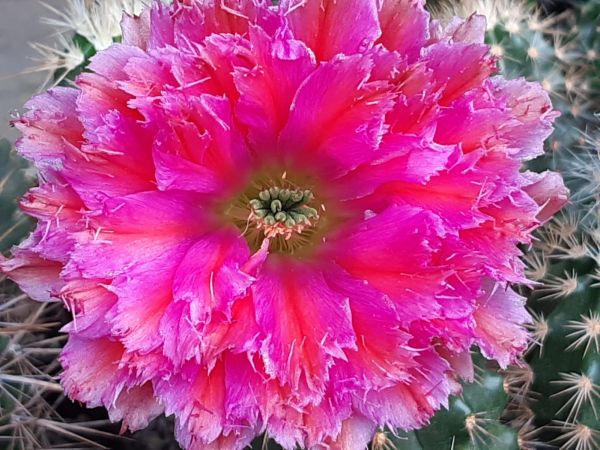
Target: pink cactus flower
pixel 294 219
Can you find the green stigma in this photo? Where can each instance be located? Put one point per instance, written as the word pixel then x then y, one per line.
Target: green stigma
pixel 283 212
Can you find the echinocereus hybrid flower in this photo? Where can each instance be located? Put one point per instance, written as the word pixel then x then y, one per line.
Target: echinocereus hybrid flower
pixel 296 219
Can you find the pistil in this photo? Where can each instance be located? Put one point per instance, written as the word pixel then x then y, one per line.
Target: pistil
pixel 283 212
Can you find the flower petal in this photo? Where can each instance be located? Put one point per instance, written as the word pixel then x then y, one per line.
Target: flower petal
pixel 37 276
pixel 330 27
pixel 383 355
pixel 49 127
pixel 267 89
pixel 336 121
pixel 136 407
pixel 369 250
pixel 305 324
pixel 499 319
pixel 404 26
pixel 548 191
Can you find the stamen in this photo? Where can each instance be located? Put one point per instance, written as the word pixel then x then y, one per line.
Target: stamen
pixel 283 212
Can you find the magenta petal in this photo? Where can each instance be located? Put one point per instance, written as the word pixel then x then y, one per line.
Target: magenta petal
pixel 94 375
pixel 364 318
pixel 239 392
pixel 400 158
pixel 49 127
pixel 330 27
pixel 454 78
pixel 54 201
pixel 38 277
pixel 548 191
pixel 383 355
pixel 136 29
pixel 244 388
pixel 470 31
pixel 305 324
pixel 149 213
pixel 136 407
pixel 355 122
pixel 201 414
pixel 238 334
pixel 200 150
pixel 90 302
pixel 162 28
pixel 142 269
pixel 532 110
pixel 356 432
pixel 91 370
pixel 369 250
pixel 404 26
pixel 499 319
pixel 173 171
pixel 409 406
pixel 111 63
pixel 264 103
pixel 210 276
pixel 148 293
pixel 317 101
pixel 206 18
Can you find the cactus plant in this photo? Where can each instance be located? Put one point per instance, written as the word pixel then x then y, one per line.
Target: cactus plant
pixel 14 182
pixel 472 420
pixel 83 27
pixel 565 395
pixel 556 403
pixel 30 396
pixel 566 362
pixel 585 23
pixel 566 357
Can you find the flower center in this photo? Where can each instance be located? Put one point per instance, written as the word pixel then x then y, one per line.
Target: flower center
pixel 289 211
pixel 283 212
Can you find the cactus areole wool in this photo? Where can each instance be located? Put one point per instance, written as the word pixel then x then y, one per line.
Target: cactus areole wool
pixel 294 219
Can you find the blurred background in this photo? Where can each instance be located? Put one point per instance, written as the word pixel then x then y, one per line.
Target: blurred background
pixel 19 26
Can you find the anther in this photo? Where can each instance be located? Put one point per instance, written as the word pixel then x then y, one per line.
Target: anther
pixel 283 212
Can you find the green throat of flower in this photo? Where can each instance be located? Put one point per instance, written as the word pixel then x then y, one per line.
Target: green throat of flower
pixel 289 211
pixel 296 212
pixel 282 212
